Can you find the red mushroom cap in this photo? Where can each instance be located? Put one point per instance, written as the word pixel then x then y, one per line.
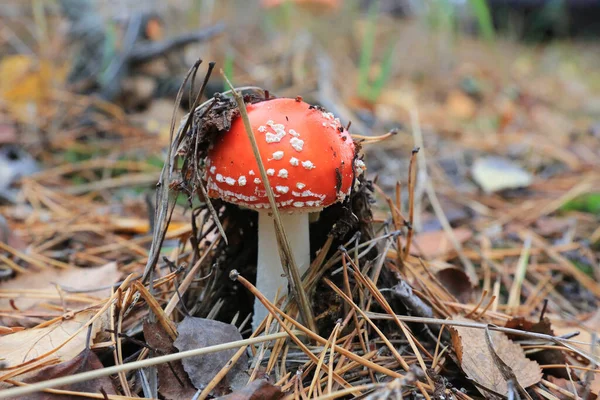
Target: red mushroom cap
pixel 308 156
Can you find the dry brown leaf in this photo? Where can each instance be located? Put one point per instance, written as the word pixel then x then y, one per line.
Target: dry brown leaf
pixel 8 133
pixel 44 283
pixel 460 105
pixel 83 362
pixel 544 356
pixel 436 243
pixel 25 80
pixel 569 385
pixel 28 344
pixel 195 333
pixel 457 282
pixel 585 328
pixel 478 363
pixel 256 390
pixel 173 381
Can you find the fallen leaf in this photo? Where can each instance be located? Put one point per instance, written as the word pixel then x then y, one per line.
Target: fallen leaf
pixel 544 356
pixel 85 361
pixel 26 80
pixel 8 133
pixel 567 385
pixel 256 390
pixel 15 163
pixel 460 105
pixel 44 283
pixel 195 333
pixel 586 328
pixel 477 361
pixel 435 244
pixel 28 344
pixel 457 282
pixel 550 226
pixel 174 382
pixel 494 174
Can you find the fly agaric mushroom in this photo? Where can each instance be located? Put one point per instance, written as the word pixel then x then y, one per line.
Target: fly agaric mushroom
pixel 310 160
pixel 314 5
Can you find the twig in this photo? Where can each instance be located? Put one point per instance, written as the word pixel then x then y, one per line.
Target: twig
pixel 435 203
pixel 144 52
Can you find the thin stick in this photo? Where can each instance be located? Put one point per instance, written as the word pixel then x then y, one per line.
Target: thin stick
pixel 435 203
pixel 86 376
pixel 412 175
pixel 289 263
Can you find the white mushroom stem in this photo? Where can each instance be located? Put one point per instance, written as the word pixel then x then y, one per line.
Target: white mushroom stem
pixel 270 274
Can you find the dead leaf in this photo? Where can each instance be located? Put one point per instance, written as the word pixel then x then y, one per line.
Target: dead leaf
pixel 494 174
pixel 25 80
pixel 568 384
pixel 8 133
pixel 544 356
pixel 550 226
pixel 457 282
pixel 435 244
pixel 85 361
pixel 15 163
pixel 256 390
pixel 174 382
pixel 195 333
pixel 460 105
pixel 45 281
pixel 586 328
pixel 27 345
pixel 478 363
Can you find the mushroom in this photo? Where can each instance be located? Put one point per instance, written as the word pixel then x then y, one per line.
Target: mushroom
pixel 309 158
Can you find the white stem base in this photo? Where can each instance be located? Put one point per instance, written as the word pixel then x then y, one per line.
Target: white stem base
pixel 270 275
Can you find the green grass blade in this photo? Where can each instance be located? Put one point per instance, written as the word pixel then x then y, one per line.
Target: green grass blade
pixel 366 50
pixel 386 71
pixel 484 19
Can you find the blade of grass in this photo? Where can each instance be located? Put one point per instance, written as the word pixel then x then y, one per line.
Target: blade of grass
pixel 385 72
pixel 484 19
pixel 366 50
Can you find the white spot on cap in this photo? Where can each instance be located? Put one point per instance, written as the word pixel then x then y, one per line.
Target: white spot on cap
pixel 213 169
pixel 229 181
pixel 272 138
pixel 262 128
pixel 282 189
pixel 298 204
pixel 270 172
pixel 220 178
pixel 327 115
pixel 300 185
pixel 308 164
pixel 256 180
pixel 251 172
pixel 242 180
pixel 297 144
pixel 294 161
pixel 310 203
pixel 283 173
pixel 278 155
pixel 325 124
pixel 293 133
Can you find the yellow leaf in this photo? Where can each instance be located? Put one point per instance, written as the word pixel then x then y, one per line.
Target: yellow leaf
pixel 26 80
